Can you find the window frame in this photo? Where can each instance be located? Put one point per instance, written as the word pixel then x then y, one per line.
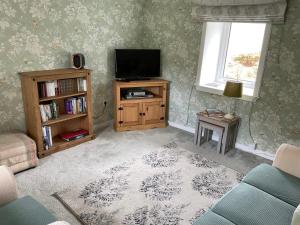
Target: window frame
pixel 219 76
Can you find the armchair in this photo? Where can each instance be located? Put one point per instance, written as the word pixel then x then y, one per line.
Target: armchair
pixel 25 211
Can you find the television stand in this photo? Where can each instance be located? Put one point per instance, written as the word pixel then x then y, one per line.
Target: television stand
pixel 140 113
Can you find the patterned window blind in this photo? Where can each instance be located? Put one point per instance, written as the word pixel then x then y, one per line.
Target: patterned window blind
pixel 265 11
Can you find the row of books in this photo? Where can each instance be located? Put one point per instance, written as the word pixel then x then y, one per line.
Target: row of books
pixel 47 136
pixel 61 87
pixel 75 105
pixel 49 111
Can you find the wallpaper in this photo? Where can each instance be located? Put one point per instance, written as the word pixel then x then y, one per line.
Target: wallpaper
pixel 40 34
pixel 275 116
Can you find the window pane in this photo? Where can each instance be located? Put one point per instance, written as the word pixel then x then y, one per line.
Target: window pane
pixel 244 50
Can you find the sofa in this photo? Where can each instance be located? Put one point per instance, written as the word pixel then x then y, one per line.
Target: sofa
pixel 267 195
pixel 22 211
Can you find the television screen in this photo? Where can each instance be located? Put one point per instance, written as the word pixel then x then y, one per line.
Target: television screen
pixel 137 63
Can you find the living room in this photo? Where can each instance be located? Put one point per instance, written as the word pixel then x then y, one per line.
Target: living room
pixel 219 122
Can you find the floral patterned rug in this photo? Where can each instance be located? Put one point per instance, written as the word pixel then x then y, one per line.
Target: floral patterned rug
pixel 168 186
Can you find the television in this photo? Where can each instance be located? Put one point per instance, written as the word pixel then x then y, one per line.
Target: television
pixel 137 64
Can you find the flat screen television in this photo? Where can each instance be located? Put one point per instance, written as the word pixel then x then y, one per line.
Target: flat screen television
pixel 134 64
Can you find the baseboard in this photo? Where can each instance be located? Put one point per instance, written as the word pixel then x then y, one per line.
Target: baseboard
pixel 102 125
pixel 242 147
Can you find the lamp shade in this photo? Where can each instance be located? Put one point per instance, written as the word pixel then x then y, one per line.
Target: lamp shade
pixel 233 89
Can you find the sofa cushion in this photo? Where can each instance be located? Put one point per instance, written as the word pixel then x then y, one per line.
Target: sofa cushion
pixel 25 211
pixel 210 218
pixel 275 182
pixel 247 205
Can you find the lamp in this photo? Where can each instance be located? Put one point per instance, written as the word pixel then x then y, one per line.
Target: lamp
pixel 233 89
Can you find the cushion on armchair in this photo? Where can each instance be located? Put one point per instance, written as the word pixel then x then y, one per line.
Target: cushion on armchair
pixel 25 211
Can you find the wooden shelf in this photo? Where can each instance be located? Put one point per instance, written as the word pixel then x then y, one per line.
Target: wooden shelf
pixel 141 113
pixel 66 122
pixel 60 144
pixel 63 118
pixel 62 96
pixel 155 98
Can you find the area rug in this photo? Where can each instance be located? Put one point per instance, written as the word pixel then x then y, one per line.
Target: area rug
pixel 168 186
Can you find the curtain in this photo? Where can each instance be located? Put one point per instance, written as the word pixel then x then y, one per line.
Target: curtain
pixel 267 11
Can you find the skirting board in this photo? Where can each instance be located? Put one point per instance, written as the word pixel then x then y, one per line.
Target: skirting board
pixel 238 146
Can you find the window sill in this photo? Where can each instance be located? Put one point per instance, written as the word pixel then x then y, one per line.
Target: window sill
pixel 218 90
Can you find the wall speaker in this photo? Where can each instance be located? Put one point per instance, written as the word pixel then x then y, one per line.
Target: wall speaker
pixel 78 61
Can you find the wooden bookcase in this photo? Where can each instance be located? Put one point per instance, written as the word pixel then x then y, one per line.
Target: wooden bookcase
pixel 145 113
pixel 65 122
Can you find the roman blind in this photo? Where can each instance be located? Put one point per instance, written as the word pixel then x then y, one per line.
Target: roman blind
pixel 266 11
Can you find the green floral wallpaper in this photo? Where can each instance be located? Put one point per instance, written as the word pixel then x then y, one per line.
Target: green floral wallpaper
pixel 275 117
pixel 40 34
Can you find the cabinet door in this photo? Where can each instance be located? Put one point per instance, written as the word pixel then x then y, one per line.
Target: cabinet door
pixel 130 114
pixel 154 112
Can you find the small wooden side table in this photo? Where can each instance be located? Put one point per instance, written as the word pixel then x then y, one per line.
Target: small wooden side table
pixel 227 131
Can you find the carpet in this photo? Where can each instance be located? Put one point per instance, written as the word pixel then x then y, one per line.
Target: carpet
pixel 169 185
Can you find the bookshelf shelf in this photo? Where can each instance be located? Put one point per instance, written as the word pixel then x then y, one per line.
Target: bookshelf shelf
pixel 59 144
pixel 36 104
pixel 63 96
pixel 63 118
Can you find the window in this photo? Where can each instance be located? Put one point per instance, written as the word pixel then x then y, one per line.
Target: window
pixel 233 51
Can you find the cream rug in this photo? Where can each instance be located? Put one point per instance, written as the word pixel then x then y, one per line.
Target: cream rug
pixel 168 186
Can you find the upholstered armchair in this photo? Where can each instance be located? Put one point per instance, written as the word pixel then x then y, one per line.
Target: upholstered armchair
pixel 25 210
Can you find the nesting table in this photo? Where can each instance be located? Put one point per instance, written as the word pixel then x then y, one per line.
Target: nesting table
pixel 226 129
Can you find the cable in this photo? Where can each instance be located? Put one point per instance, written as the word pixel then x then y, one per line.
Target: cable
pixel 189 103
pixel 249 123
pixel 102 113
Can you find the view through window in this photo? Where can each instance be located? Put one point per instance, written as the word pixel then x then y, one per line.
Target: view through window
pixel 244 52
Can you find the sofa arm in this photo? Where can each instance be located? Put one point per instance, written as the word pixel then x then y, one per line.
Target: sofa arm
pixel 287 159
pixel 59 223
pixel 8 187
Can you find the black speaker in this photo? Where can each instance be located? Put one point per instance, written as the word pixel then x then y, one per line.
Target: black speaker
pixel 78 61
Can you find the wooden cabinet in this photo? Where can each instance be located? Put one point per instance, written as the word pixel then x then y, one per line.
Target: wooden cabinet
pixel 134 114
pixel 154 112
pixel 130 114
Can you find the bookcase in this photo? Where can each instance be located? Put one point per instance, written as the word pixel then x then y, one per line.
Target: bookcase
pixel 57 101
pixel 141 113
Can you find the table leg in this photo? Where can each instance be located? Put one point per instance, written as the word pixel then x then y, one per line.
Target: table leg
pixel 200 134
pixel 224 140
pixel 196 133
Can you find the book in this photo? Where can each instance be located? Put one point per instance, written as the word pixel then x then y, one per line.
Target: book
pixel 75 105
pixel 74 135
pixel 213 113
pixel 49 111
pixel 47 137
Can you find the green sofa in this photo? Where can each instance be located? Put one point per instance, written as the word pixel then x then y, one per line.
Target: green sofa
pixel 266 196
